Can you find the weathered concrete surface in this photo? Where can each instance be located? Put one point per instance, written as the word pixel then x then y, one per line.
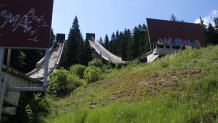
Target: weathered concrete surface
pixel 152 56
pixel 14 78
pixel 104 53
pixel 54 60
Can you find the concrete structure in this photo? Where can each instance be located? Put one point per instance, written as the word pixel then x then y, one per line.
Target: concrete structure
pixel 54 58
pixel 108 56
pixel 14 81
pixel 152 56
pixel 105 54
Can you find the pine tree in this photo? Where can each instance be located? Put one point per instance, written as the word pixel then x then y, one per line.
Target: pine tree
pixel 133 46
pixel 112 43
pixel 216 28
pixel 126 40
pixel 123 46
pixel 126 45
pixel 204 30
pixel 74 48
pixel 174 18
pixel 87 53
pixel 211 34
pixel 130 49
pixel 100 41
pixel 216 23
pixel 117 44
pixel 106 42
pixel 52 37
pixel 139 43
pixel 143 39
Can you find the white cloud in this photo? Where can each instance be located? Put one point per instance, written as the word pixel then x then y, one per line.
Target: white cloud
pixel 208 19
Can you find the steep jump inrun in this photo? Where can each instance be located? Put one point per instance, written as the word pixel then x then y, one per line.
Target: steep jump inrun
pixel 110 57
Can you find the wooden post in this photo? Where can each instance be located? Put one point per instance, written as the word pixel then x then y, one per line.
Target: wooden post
pixel 2 82
pixel 9 58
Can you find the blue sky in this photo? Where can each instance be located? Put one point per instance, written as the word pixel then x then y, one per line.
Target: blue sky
pixel 106 16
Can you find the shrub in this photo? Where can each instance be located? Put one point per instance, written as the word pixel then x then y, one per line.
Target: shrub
pixel 38 107
pixel 92 74
pixel 78 69
pixel 74 81
pixel 31 109
pixel 62 82
pixel 96 62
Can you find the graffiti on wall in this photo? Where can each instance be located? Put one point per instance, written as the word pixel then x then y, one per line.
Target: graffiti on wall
pixel 178 43
pixel 25 23
pixel 175 34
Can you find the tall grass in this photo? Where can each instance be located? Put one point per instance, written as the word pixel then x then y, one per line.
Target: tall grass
pixel 196 103
pixel 191 98
pixel 148 111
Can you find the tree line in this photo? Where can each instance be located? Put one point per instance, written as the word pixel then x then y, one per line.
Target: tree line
pixel 128 44
pixel 210 32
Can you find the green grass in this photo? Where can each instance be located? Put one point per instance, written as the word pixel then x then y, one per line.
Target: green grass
pixel 149 111
pixel 174 89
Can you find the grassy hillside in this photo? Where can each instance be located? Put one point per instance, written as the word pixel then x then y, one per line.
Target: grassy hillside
pixel 179 88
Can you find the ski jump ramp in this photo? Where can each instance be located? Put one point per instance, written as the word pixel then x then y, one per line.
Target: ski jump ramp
pixel 105 54
pixel 110 57
pixel 54 59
